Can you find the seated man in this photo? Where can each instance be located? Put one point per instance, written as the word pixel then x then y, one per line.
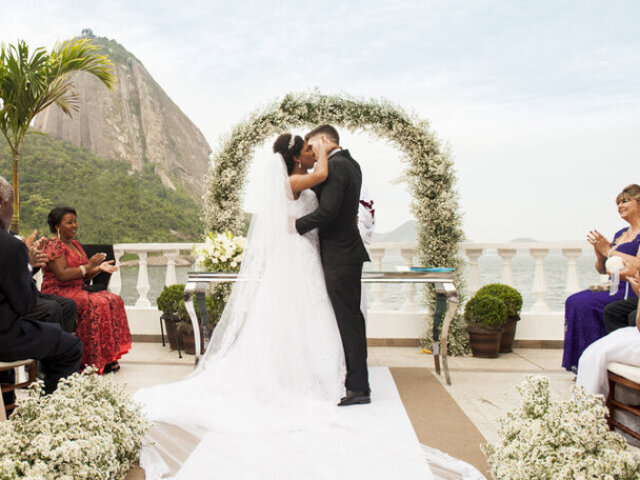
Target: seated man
pixel 623 312
pixel 58 352
pixel 54 309
pixel 620 314
pixel 49 308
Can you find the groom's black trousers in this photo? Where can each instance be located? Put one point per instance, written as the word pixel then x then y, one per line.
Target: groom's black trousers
pixel 344 288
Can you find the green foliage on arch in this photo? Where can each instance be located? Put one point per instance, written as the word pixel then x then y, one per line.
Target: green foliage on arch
pixel 429 173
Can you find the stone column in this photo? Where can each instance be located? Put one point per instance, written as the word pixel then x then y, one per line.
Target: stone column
pixel 572 254
pixel 474 281
pixel 539 287
pixel 115 283
pixel 170 277
pixel 507 273
pixel 377 289
pixel 143 282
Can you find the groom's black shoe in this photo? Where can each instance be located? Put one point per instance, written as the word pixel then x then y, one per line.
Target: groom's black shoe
pixel 355 398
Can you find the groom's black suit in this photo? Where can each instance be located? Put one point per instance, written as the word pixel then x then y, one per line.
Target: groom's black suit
pixel 343 254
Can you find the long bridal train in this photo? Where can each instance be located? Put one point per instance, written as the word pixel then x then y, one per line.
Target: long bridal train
pixel 317 441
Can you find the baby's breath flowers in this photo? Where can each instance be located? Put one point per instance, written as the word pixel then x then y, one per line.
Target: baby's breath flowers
pixel 89 428
pixel 559 440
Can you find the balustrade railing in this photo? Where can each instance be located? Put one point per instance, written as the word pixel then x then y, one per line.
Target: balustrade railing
pixel 170 251
pixel 391 256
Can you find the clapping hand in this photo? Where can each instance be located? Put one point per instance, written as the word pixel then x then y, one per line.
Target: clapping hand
pixel 634 280
pixel 37 256
pixel 108 267
pixel 600 244
pixel 30 239
pixel 96 260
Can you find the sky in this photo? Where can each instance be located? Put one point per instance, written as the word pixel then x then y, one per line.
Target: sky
pixel 537 101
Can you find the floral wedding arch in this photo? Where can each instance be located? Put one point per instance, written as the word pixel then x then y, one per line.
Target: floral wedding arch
pixel 429 173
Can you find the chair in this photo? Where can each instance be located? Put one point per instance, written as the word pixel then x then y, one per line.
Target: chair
pixel 10 387
pixel 100 281
pixel 629 377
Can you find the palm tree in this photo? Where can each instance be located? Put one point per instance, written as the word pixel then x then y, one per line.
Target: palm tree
pixel 29 84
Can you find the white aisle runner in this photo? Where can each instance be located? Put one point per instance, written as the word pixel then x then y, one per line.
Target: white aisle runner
pixel 367 442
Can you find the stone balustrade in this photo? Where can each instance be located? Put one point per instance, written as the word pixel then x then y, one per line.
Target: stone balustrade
pixel 405 305
pixel 168 250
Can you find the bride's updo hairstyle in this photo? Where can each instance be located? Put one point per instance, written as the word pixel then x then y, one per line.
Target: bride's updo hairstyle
pixel 289 146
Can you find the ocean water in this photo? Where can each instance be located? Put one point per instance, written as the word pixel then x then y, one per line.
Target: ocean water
pixel 490 271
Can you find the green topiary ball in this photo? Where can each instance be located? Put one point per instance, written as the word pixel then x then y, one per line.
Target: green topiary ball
pixel 509 295
pixel 169 299
pixel 486 311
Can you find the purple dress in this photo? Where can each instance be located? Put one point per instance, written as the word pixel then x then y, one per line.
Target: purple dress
pixel 583 322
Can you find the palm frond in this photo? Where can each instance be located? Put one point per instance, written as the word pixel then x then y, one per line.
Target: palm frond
pixel 31 83
pixel 59 92
pixel 81 55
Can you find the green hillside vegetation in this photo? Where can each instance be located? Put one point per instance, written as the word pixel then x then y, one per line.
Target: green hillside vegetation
pixel 114 204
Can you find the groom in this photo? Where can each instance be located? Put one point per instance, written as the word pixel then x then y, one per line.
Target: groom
pixel 343 254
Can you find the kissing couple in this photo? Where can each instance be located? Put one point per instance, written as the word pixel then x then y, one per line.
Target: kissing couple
pixel 291 341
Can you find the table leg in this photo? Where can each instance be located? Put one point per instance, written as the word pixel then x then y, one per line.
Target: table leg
pixel 189 294
pixel 441 305
pixel 452 306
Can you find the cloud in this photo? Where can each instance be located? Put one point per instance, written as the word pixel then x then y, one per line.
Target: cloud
pixel 539 101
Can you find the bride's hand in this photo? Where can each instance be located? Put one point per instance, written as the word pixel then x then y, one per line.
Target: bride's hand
pixel 323 149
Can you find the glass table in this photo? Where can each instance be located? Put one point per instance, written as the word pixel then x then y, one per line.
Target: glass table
pixel 445 292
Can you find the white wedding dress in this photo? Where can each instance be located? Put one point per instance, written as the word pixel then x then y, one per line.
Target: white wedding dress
pixel 275 362
pixel 262 403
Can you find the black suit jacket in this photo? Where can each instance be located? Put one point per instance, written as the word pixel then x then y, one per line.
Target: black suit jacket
pixel 337 213
pixel 17 288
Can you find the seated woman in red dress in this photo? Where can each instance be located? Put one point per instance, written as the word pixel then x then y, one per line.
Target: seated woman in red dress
pixel 102 321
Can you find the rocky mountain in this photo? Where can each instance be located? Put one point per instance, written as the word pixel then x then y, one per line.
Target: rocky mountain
pixel 136 122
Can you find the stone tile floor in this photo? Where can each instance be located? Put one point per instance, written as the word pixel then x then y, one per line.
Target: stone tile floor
pixel 485 389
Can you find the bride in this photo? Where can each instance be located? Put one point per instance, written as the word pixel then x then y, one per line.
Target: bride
pixel 276 359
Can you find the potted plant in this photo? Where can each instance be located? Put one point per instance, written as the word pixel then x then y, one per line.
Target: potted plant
pixel 513 302
pixel 169 303
pixel 485 316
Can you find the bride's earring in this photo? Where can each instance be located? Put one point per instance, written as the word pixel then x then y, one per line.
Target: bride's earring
pixel 58 234
pixel 299 164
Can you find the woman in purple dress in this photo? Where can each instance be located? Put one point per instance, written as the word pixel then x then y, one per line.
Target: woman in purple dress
pixel 583 310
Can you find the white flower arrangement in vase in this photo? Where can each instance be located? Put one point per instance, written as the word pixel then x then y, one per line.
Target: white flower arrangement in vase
pixel 559 440
pixel 221 252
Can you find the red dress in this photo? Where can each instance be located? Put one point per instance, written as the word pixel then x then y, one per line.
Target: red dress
pixel 102 321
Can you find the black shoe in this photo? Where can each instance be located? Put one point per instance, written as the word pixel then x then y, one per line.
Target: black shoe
pixel 355 398
pixel 112 367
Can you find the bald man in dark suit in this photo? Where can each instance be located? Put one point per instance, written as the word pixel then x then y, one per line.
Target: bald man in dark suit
pixel 58 352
